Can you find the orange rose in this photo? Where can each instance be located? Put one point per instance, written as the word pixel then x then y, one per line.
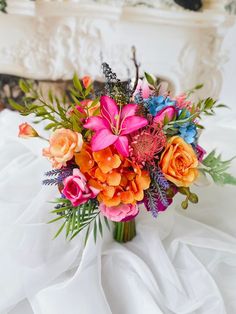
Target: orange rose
pixel 63 144
pixel 179 162
pixel 26 131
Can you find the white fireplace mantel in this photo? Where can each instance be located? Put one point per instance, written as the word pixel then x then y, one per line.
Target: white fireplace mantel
pixel 53 39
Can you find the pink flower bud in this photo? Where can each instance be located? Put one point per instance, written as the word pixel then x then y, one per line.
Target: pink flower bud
pixel 26 131
pixel 86 81
pixel 122 212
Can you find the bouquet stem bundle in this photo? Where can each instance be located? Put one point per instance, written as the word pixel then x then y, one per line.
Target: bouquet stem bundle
pixel 125 231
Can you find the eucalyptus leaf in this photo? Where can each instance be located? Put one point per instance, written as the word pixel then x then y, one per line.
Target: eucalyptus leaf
pixel 16 106
pixel 23 86
pixel 77 83
pixel 149 78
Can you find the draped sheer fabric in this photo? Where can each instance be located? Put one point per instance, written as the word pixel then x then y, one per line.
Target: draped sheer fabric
pixel 182 262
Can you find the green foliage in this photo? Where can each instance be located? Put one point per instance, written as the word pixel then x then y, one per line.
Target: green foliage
pixel 204 106
pixel 76 219
pixel 190 197
pixel 35 103
pixel 171 127
pixel 53 109
pixel 3 5
pixel 216 168
pixel 78 93
pixel 150 79
pixel 154 83
pixel 194 89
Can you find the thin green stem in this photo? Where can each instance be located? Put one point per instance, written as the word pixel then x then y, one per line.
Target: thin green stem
pixel 43 138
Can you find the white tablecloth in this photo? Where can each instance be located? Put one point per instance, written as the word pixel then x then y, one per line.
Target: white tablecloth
pixel 183 262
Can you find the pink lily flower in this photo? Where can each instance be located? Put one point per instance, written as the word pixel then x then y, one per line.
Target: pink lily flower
pixel 113 126
pixel 143 88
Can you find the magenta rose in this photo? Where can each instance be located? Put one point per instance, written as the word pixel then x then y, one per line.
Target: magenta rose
pixel 168 112
pixel 200 152
pixel 123 212
pixel 77 190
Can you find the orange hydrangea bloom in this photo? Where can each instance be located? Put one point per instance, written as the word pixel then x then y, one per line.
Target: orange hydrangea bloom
pixel 107 160
pixel 84 159
pixel 118 179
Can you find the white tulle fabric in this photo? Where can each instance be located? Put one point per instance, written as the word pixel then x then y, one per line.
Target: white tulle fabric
pixel 183 262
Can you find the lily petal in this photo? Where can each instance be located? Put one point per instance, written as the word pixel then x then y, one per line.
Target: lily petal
pixel 143 88
pixel 132 124
pixel 109 109
pixel 122 146
pixel 102 139
pixel 128 110
pixel 96 123
pixel 138 87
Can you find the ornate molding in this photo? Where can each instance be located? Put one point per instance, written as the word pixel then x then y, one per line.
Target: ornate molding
pixel 57 52
pixel 73 7
pixel 206 65
pixel 23 7
pixel 173 17
pixel 55 46
pixel 84 9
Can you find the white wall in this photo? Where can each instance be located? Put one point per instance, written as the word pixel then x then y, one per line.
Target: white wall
pixel 228 94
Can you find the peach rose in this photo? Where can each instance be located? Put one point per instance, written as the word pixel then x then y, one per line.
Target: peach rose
pixel 63 144
pixel 179 162
pixel 26 131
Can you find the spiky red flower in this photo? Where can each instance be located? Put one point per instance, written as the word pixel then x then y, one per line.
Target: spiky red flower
pixel 146 144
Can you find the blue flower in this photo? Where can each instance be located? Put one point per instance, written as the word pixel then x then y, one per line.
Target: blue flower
pixel 157 103
pixel 186 113
pixel 188 132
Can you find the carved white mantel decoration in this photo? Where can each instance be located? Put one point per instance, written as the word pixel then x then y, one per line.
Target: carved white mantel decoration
pixel 216 5
pixel 61 37
pixel 24 7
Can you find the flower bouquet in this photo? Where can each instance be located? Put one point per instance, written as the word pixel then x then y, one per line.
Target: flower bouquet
pixel 115 149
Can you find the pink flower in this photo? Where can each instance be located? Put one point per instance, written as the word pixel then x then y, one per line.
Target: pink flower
pixel 63 143
pixel 168 112
pixel 182 102
pixel 26 131
pixel 143 88
pixel 86 108
pixel 200 152
pixel 123 212
pixel 77 190
pixel 71 111
pixel 113 126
